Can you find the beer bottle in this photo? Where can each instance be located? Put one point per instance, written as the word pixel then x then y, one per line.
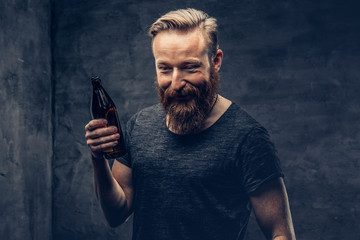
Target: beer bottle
pixel 102 106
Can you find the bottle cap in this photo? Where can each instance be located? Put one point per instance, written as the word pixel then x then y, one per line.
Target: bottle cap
pixel 95 80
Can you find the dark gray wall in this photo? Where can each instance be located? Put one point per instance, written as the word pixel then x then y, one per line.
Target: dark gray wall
pixel 25 109
pixel 293 65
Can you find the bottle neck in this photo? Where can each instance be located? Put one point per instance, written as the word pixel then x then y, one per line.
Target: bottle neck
pixel 96 81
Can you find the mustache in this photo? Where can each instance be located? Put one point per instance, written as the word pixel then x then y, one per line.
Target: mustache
pixel 187 92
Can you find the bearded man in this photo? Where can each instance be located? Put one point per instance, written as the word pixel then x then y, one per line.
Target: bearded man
pixel 196 164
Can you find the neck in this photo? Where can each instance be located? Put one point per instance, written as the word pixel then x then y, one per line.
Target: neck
pixel 219 107
pixel 212 106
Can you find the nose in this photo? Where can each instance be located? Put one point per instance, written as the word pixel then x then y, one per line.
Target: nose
pixel 177 81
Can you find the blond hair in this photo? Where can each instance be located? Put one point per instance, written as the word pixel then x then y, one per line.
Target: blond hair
pixel 188 20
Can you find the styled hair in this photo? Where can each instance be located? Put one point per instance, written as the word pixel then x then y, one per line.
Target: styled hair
pixel 188 20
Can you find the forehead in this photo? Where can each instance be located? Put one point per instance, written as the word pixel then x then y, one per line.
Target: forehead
pixel 175 44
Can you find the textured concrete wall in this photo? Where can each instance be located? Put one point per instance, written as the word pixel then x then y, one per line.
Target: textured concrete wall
pixel 25 128
pixel 292 64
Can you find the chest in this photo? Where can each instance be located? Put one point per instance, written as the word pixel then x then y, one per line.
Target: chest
pixel 164 160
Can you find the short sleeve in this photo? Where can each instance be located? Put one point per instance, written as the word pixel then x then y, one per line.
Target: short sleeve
pixel 260 162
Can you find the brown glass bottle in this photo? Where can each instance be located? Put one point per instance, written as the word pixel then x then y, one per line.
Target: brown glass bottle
pixel 102 106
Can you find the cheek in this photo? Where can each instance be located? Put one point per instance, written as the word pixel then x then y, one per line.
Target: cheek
pixel 163 81
pixel 198 79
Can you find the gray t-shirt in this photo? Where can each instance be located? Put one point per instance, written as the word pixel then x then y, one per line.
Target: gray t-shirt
pixel 196 186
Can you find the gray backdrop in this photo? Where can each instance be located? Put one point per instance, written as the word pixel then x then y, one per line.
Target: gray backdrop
pixel 293 65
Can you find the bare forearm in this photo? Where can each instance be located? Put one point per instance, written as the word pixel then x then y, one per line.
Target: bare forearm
pixel 272 210
pixel 285 230
pixel 109 193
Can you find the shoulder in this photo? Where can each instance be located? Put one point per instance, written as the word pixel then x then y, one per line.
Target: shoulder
pixel 245 127
pixel 147 116
pixel 148 113
pixel 240 118
pixel 256 138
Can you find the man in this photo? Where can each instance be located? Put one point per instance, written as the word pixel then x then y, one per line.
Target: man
pixel 196 164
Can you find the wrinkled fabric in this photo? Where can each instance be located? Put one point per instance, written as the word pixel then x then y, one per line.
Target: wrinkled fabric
pixel 196 186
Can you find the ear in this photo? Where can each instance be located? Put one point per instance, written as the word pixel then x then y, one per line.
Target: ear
pixel 217 60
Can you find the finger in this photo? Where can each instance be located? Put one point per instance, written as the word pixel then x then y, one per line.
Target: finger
pixel 100 132
pixel 103 140
pixel 102 147
pixel 95 123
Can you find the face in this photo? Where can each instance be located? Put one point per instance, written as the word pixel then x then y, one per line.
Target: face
pixel 180 58
pixel 187 81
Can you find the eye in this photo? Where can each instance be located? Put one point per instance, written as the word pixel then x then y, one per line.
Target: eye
pixel 164 69
pixel 191 68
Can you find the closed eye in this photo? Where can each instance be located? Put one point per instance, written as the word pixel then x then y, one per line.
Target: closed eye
pixel 164 69
pixel 191 68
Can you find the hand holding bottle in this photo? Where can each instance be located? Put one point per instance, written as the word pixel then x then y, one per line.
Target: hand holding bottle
pixel 99 137
pixel 103 108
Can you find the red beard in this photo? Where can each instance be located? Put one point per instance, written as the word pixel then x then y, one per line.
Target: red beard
pixel 187 109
